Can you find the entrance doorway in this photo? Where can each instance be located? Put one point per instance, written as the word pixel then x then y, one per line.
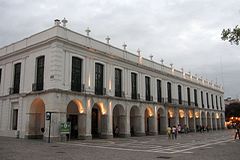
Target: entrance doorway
pixel 95 118
pixel 74 125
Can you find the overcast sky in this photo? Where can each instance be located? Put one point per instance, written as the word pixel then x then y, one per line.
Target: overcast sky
pixel 186 33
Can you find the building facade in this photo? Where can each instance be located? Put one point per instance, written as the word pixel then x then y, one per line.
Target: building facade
pixel 97 87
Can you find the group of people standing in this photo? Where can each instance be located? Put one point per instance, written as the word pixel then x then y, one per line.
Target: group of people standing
pixel 202 128
pixel 172 132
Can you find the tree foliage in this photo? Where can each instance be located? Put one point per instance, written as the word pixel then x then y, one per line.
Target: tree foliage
pixel 231 35
pixel 232 110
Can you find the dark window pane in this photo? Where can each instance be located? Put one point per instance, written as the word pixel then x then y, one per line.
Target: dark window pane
pixel 189 96
pixel 15 119
pixel 98 79
pixel 76 74
pixel 0 75
pixel 40 73
pixel 212 101
pixel 134 85
pixel 159 91
pixel 118 82
pixel 207 100
pixel 195 97
pixel 16 81
pixel 169 91
pixel 202 99
pixel 179 94
pixel 147 88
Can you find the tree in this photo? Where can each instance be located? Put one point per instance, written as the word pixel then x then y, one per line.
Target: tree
pixel 232 110
pixel 231 35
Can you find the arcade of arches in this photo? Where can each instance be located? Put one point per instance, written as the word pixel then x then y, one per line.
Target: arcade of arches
pixel 103 120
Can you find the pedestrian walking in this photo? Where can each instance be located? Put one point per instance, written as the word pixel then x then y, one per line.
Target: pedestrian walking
pixel 169 132
pixel 237 132
pixel 174 130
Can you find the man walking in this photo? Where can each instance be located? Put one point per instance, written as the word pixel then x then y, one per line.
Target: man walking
pixel 237 131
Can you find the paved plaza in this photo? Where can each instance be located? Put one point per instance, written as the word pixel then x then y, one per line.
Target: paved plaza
pixel 213 145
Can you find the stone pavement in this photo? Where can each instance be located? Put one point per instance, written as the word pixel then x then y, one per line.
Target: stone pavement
pixel 213 145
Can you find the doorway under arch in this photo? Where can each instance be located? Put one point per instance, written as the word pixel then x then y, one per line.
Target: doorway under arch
pixel 222 121
pixel 135 120
pixel 214 125
pixel 191 121
pixel 161 121
pixel 209 123
pixel 98 111
pixel 37 119
pixel 203 118
pixel 181 116
pixel 118 121
pixel 74 109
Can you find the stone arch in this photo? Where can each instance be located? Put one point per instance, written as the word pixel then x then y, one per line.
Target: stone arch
pixel 135 121
pixel 75 115
pixel 149 121
pixel 119 121
pixel 209 121
pixel 214 125
pixel 222 121
pixel 197 119
pixel 218 121
pixel 161 121
pixel 99 120
pixel 171 117
pixel 36 119
pixel 191 120
pixel 181 115
pixel 203 118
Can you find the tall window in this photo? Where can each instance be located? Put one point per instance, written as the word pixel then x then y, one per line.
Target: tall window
pixel 118 82
pixel 0 75
pixel 147 88
pixel 179 94
pixel 189 96
pixel 195 97
pixel 169 91
pixel 221 102
pixel 159 91
pixel 98 79
pixel 212 101
pixel 207 100
pixel 76 74
pixel 134 85
pixel 216 101
pixel 16 81
pixel 14 119
pixel 202 99
pixel 40 73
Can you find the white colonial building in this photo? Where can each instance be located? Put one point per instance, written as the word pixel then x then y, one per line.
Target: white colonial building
pixel 97 87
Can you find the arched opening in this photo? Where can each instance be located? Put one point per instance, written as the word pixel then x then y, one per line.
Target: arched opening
pixel 209 124
pixel 98 111
pixel 171 118
pixel 203 117
pixel 191 121
pixel 214 126
pixel 135 118
pixel 222 121
pixel 182 118
pixel 74 109
pixel 119 121
pixel 218 121
pixel 161 121
pixel 37 119
pixel 197 119
pixel 148 120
